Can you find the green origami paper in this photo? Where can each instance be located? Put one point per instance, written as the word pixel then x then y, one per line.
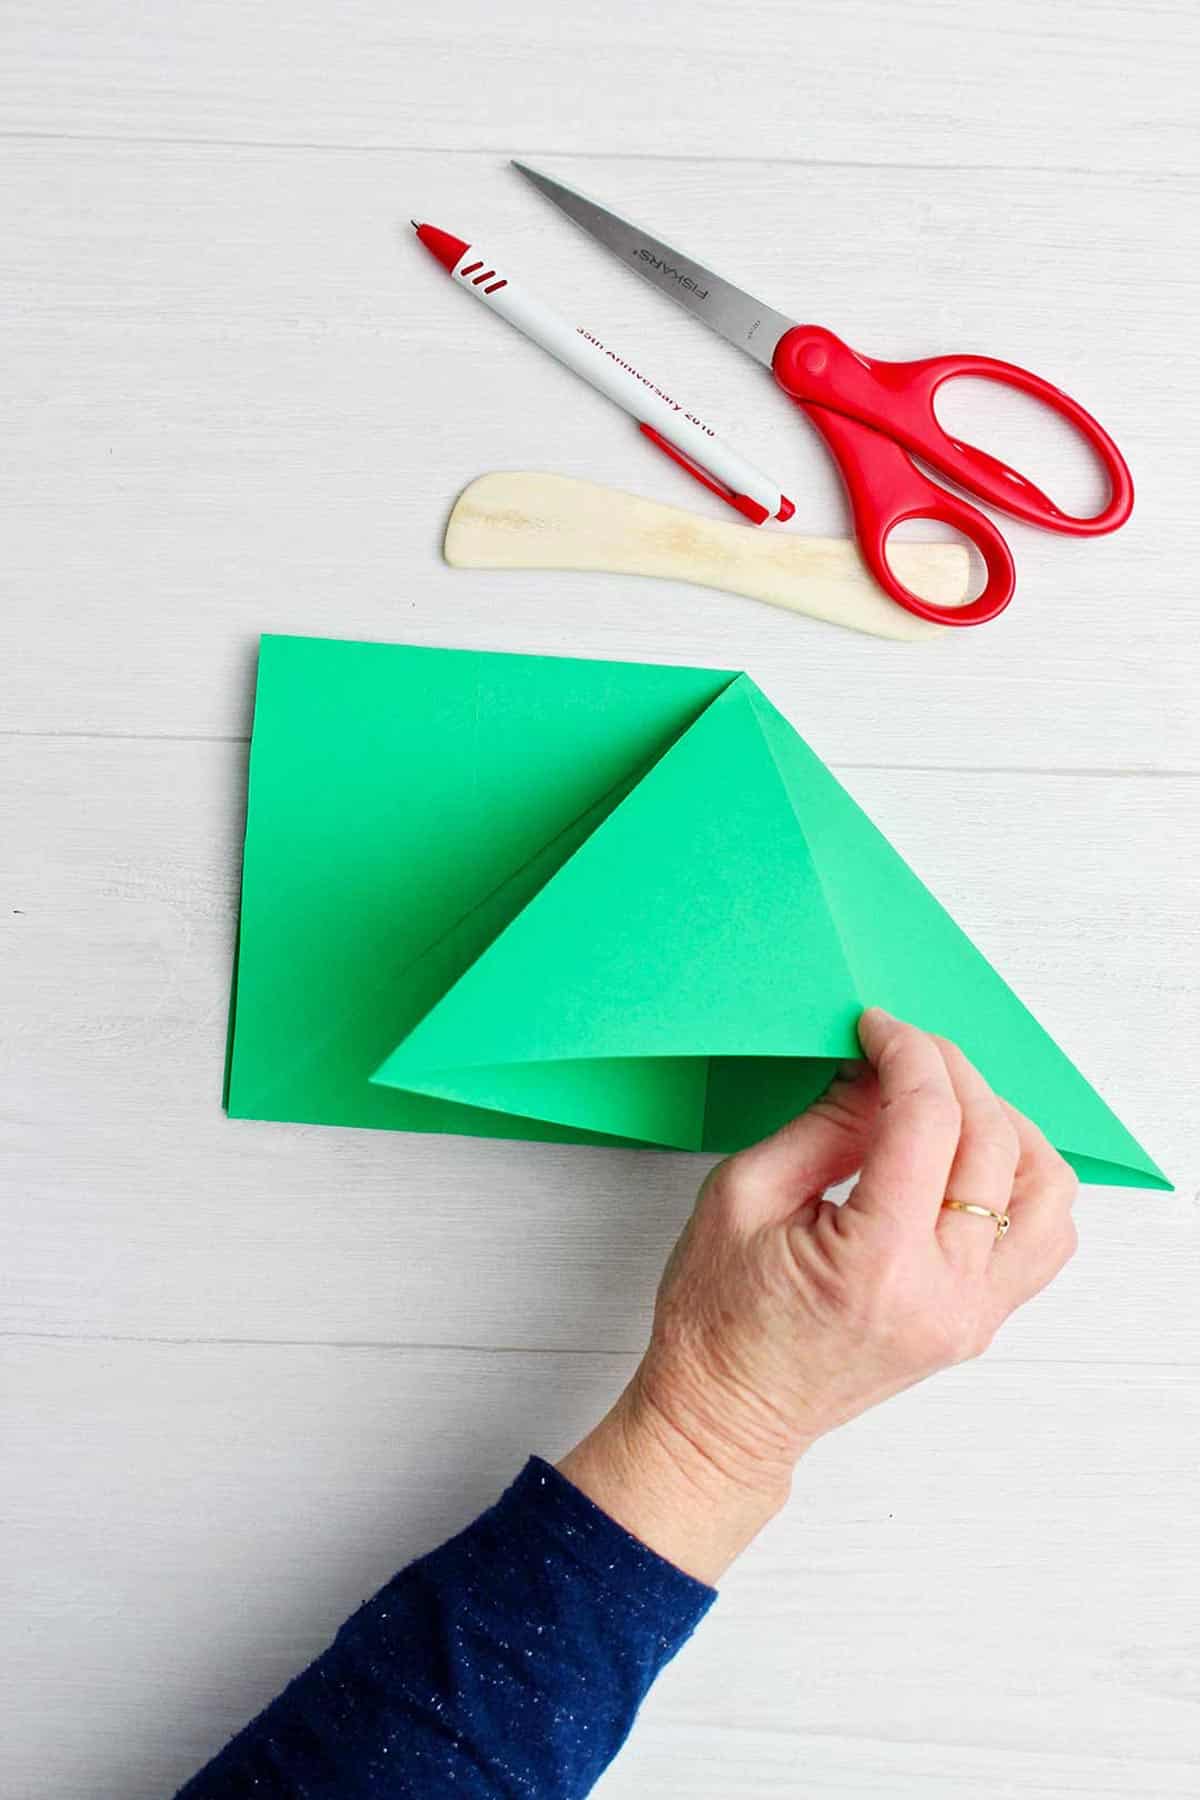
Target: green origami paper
pixel 585 902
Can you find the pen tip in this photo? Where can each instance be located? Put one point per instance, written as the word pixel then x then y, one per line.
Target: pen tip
pixel 414 225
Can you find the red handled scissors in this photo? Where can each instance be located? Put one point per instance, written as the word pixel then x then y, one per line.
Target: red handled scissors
pixel 876 417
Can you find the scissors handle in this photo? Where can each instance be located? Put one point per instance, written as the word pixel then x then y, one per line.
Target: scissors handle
pixel 885 487
pixel 812 364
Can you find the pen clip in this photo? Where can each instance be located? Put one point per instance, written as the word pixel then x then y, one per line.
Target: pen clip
pixel 749 509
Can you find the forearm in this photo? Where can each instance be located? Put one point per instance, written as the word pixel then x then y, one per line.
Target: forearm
pixel 671 1488
pixel 512 1659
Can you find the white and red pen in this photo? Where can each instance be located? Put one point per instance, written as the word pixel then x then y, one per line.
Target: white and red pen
pixel 680 434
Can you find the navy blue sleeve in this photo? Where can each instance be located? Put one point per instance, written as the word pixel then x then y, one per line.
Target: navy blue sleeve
pixel 511 1661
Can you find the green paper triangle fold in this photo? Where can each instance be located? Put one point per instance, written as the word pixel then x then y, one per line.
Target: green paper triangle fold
pixel 692 973
pixel 583 902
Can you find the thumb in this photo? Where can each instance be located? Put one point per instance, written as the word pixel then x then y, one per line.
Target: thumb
pixel 824 1145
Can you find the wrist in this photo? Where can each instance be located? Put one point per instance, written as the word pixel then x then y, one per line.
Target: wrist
pixel 649 1475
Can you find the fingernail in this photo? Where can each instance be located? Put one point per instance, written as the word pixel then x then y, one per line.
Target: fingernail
pixel 877 1016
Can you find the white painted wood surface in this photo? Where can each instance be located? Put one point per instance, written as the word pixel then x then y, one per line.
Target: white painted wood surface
pixel 249 1369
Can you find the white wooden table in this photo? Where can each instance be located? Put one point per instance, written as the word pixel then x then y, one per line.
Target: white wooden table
pixel 251 1369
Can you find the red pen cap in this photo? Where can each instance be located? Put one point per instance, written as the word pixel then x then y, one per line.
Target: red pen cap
pixel 449 250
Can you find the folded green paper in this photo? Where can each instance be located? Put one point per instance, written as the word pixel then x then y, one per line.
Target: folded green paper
pixel 590 902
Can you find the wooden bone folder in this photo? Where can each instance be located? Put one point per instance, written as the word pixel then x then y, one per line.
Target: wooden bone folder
pixel 529 521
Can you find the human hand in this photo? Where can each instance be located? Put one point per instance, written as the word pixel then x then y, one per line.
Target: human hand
pixel 782 1315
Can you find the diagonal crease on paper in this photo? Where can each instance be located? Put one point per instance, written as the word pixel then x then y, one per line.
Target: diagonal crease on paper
pixel 584 901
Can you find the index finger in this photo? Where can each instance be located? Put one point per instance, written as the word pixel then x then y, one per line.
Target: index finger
pixel 908 1165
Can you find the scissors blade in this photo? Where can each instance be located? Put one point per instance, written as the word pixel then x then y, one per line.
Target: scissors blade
pixel 735 315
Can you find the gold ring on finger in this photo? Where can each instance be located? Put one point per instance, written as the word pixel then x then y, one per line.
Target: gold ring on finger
pixel 1001 1220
